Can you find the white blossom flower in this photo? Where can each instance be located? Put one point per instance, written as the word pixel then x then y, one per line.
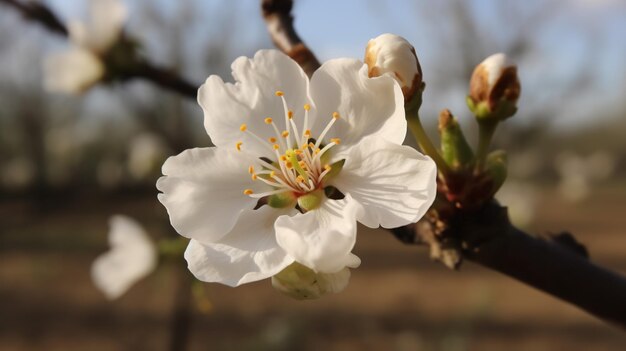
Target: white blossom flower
pixel 77 69
pixel 132 257
pixel 296 164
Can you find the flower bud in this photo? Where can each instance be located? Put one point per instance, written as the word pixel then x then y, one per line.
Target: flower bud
pixel 390 53
pixel 455 150
pixel 494 88
pixel 302 283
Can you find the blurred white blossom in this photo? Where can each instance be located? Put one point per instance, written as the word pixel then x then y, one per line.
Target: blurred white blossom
pixel 132 257
pixel 78 68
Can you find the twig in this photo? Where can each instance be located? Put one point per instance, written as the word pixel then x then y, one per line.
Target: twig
pixel 167 79
pixel 487 238
pixel 39 13
pixel 277 15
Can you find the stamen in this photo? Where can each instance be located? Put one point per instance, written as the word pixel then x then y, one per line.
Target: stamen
pixel 335 140
pixel 305 126
pixel 279 93
pixel 244 128
pixel 336 115
pixel 238 145
pixel 288 119
pixel 254 176
pixel 248 192
pixel 275 146
pixel 269 120
pixel 251 169
pixel 284 134
pixel 272 140
pixel 290 114
pixel 328 126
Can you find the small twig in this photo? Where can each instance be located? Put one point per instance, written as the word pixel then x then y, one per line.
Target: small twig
pixel 277 15
pixel 164 78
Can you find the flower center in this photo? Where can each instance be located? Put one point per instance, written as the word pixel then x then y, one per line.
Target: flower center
pixel 297 165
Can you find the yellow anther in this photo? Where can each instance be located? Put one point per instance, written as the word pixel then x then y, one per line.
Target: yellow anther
pixel 307 132
pixel 307 107
pixel 243 127
pixel 276 146
pixel 283 158
pixel 238 145
pixel 285 134
pixel 248 192
pixel 300 179
pixel 298 152
pixel 272 174
pixel 302 164
pixel 327 168
pixel 317 151
pixel 268 120
pixel 288 165
pixel 253 176
pixel 272 140
pixel 251 169
pixel 290 114
pixel 335 140
pixel 336 115
pixel 279 93
pixel 312 146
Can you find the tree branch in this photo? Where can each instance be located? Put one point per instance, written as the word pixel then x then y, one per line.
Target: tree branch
pixel 164 78
pixel 277 15
pixel 38 12
pixel 557 267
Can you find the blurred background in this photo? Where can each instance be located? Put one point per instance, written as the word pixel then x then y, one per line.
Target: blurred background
pixel 67 163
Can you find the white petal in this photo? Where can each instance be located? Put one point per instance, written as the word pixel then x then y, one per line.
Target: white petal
pixel 368 106
pixel 132 257
pixel 248 253
pixel 106 21
pixel 202 190
pixel 321 239
pixel 251 99
pixel 72 72
pixel 394 184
